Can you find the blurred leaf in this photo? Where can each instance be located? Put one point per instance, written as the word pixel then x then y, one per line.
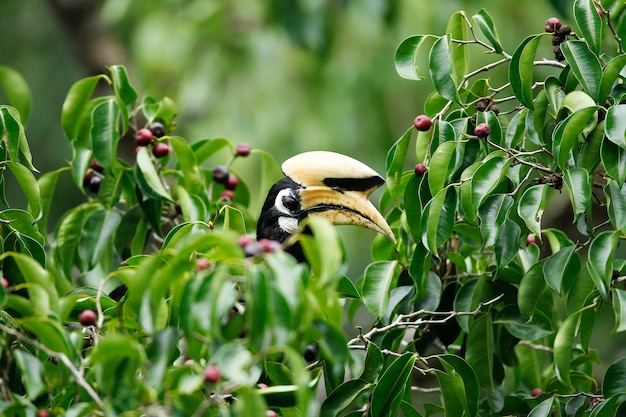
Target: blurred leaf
pixel 187 164
pixel 387 394
pixel 50 334
pixel 47 184
pixel 30 188
pixel 97 235
pixel 614 378
pixel 441 70
pixel 148 178
pixel 343 396
pixel 161 352
pixel 379 277
pixel 483 20
pixel 406 57
pixel 395 164
pixel 67 236
pixel 601 253
pixel 326 248
pixel 17 91
pixel 544 409
pixel 32 372
pixel 233 219
pixel 162 111
pixel 584 64
pixel 589 23
pixel 76 103
pixel 521 70
pixel 104 132
pixel 522 328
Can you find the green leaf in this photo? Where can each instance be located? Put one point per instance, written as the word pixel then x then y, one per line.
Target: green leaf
pixel 50 334
pixel 585 66
pixel 561 266
pixel 483 20
pixel 563 349
pixel 187 164
pixel 148 176
pixel 530 289
pixel 395 164
pixel 76 103
pixel 97 235
pixel 438 219
pixel 613 160
pixel 373 363
pixel 487 177
pixel 67 236
pixel 406 57
pixel 12 133
pixel 492 215
pixel 601 253
pixel 441 70
pixel 121 85
pixel 507 246
pixel 578 186
pixel 616 204
pixel 619 309
pixel 522 328
pixel 387 394
pixel 459 386
pixel 531 206
pixel 161 352
pixel 30 188
pixel 615 125
pixel 459 56
pixel 610 74
pixel 343 396
pixel 614 379
pixel 325 246
pixel 589 23
pixel 480 350
pixel 566 135
pixel 441 162
pixel 544 409
pixel 521 70
pixel 17 90
pixel 379 277
pixel 104 132
pixel 32 372
pixel 47 184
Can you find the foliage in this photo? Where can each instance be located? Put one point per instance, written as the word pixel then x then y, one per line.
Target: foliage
pixel 476 292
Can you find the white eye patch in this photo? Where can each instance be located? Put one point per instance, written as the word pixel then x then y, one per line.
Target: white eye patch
pixel 280 198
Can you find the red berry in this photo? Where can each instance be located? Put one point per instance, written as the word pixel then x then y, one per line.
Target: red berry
pixel 212 374
pixel 231 182
pixel 262 385
pixel 244 240
pixel 95 165
pixel 87 178
pixel 420 170
pixel 269 245
pixel 552 25
pixel 161 149
pixel 243 149
pixel 5 282
pixel 253 248
pixel 188 362
pixel 220 174
pixel 422 123
pixel 227 195
pixel 42 413
pixel 202 264
pixel 482 130
pixel 87 318
pixel 271 413
pixel 536 392
pixel 94 183
pixel 157 129
pixel 144 137
pixel 530 239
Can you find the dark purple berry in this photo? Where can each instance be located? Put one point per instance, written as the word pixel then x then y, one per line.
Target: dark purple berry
pixel 482 130
pixel 161 149
pixel 94 183
pixel 144 137
pixel 220 174
pixel 420 170
pixel 157 129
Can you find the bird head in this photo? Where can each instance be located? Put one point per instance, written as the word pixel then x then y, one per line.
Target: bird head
pixel 325 184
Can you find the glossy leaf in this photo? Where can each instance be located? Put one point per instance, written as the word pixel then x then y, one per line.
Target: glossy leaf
pixel 618 299
pixel 395 164
pixel 150 175
pixel 616 204
pixel 377 282
pixel 601 254
pixel 459 54
pixel 585 66
pixel 531 287
pixel 493 214
pixel 96 238
pixel 75 104
pixel 12 132
pixel 522 328
pixel 17 91
pixel 441 70
pixel 406 57
pixel 441 163
pixel 531 206
pixel 387 394
pixel 487 177
pixel 543 409
pixel 122 87
pixel 521 70
pixel 563 349
pixel 438 219
pixel 32 372
pixel 104 132
pixel 373 363
pixel 589 22
pixel 343 396
pixel 459 386
pixel 567 133
pixel 484 22
pixel 614 378
pixel 615 125
pixel 613 160
pixel 30 188
pixel 480 350
pixel 578 186
pixel 50 333
pixel 560 267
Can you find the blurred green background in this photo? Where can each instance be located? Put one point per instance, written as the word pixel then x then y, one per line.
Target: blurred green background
pixel 286 76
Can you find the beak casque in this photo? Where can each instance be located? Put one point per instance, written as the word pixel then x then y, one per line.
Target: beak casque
pixel 337 187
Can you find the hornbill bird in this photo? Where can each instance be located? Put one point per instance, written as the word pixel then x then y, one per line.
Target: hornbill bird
pixel 325 184
pixel 317 183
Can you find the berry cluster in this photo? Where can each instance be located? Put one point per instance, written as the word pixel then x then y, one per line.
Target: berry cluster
pixel 221 174
pixel 147 136
pixel 561 33
pixel 486 104
pixel 253 248
pixel 93 177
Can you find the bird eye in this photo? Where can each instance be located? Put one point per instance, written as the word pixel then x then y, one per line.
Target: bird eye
pixel 290 202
